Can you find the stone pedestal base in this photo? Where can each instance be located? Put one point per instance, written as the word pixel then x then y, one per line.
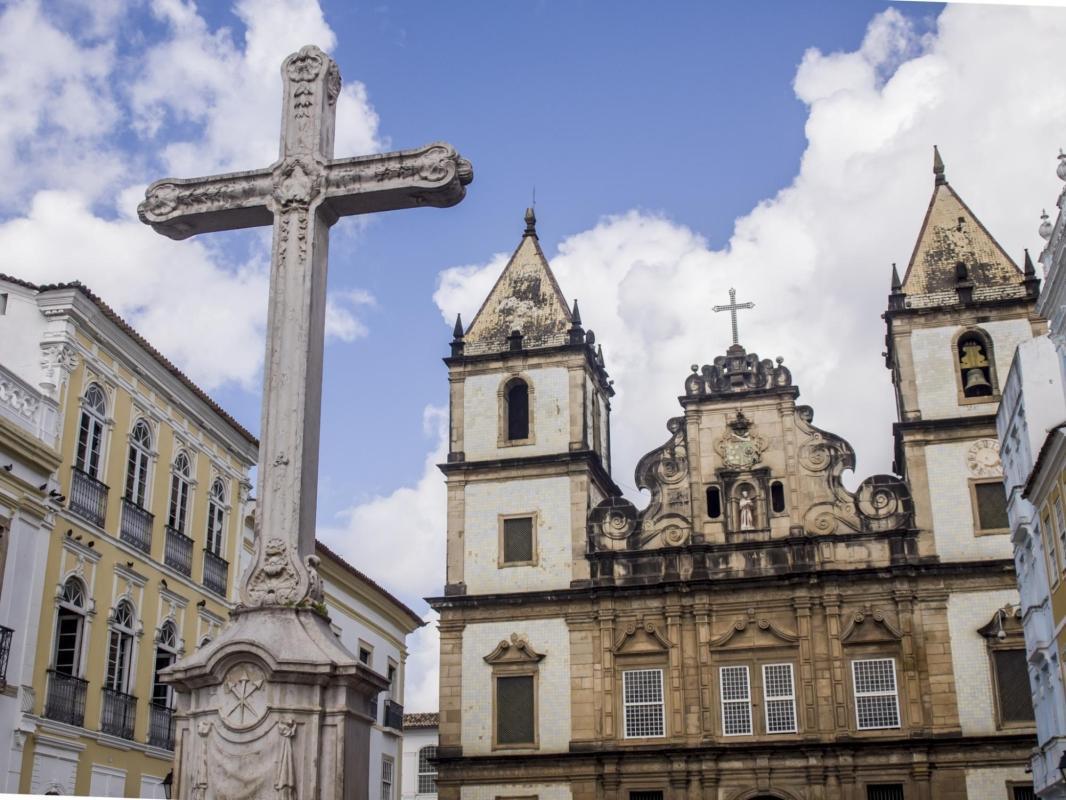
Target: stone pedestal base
pixel 275 708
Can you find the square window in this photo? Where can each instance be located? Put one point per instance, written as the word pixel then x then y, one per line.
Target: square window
pixel 515 710
pixel 517 545
pixel 990 504
pixel 365 654
pixel 642 700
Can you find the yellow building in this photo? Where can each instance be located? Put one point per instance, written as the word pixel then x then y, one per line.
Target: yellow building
pixel 146 515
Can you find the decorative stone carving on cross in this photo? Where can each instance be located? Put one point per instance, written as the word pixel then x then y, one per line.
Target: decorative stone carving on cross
pixel 302 195
pixel 275 706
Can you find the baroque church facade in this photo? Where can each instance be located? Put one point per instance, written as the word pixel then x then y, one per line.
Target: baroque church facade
pixel 758 630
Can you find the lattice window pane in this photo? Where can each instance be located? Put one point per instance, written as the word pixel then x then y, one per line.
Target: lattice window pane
pixel 427 770
pixel 876 703
pixel 991 506
pixel 515 709
pixel 642 696
pixel 1012 686
pixel 736 700
pixel 517 540
pixel 386 778
pixel 779 694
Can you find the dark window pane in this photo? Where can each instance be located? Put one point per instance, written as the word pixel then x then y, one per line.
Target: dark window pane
pixel 884 791
pixel 514 709
pixel 68 640
pixel 517 540
pixel 714 502
pixel 991 506
pixel 777 496
pixel 518 410
pixel 1023 793
pixel 1012 686
pixel 645 795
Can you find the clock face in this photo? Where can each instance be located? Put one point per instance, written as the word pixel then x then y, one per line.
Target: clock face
pixel 983 458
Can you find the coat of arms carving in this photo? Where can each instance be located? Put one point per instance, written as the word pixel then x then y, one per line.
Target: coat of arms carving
pixel 741 448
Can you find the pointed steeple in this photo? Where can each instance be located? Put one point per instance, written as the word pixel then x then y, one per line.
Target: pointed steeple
pixel 457 331
pixel 1029 271
pixel 895 279
pixel 575 314
pixel 577 333
pixel 952 235
pixel 1032 283
pixel 526 298
pixel 938 167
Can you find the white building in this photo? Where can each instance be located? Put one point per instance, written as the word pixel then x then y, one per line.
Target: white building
pixel 1033 404
pixel 419 756
pixel 373 624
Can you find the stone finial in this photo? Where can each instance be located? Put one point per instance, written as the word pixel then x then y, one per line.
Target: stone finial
pixel 531 223
pixel 1030 271
pixel 1045 225
pixel 457 337
pixel 896 284
pixel 577 333
pixel 576 314
pixel 938 166
pixel 1031 282
pixel 1060 170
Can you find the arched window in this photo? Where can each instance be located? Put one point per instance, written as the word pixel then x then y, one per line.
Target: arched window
pixel 517 399
pixel 120 649
pixel 160 718
pixel 179 493
pixel 91 431
pixel 70 628
pixel 216 517
pixel 714 502
pixel 427 770
pixel 137 464
pixel 974 359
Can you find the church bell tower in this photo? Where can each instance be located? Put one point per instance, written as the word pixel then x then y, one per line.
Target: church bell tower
pixel 953 323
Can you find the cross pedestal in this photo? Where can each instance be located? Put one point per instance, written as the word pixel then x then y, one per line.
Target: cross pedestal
pixel 275 706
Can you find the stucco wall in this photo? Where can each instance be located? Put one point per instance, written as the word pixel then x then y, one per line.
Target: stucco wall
pixel 550 405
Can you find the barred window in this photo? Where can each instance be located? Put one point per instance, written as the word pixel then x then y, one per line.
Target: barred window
pixel 1024 792
pixel 876 702
pixel 642 698
pixel 736 700
pixel 884 791
pixel 779 695
pixel 386 778
pixel 646 795
pixel 1013 693
pixel 515 710
pixel 427 770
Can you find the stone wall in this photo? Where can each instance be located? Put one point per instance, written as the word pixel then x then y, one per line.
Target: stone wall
pixel 970 661
pixel 549 418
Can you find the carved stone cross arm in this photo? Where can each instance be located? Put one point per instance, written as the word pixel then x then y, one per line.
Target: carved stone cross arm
pixel 434 175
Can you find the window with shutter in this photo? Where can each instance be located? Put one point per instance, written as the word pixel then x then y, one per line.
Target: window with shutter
pixel 515 710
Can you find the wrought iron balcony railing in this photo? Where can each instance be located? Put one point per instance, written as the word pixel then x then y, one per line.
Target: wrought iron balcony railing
pixel 88 497
pixel 120 711
pixel 393 715
pixel 161 726
pixel 177 551
pixel 136 528
pixel 5 653
pixel 65 701
pixel 216 573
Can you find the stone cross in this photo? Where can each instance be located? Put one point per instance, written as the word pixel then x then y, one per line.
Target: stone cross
pixel 302 194
pixel 732 307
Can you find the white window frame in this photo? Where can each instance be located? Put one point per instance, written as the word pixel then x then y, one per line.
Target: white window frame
pixel 216 517
pixel 180 492
pixel 119 671
pixel 430 772
pixel 894 693
pixel 388 775
pixel 660 703
pixel 735 701
pixel 138 465
pixel 94 422
pixel 789 698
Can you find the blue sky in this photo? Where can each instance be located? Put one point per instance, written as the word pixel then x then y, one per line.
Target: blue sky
pixel 677 149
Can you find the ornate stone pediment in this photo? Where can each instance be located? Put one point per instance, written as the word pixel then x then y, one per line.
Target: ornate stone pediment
pixel 1006 622
pixel 736 372
pixel 639 638
pixel 869 625
pixel 515 651
pixel 751 632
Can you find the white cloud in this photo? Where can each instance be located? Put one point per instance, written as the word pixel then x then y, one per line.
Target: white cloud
pixel 422 687
pixel 341 321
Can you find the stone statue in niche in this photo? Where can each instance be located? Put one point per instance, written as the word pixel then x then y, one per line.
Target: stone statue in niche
pixel 746 509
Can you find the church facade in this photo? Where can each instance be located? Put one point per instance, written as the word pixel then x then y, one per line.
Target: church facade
pixel 758 630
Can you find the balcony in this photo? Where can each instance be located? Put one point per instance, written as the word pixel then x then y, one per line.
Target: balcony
pixel 120 710
pixel 161 726
pixel 88 497
pixel 216 572
pixel 393 715
pixel 136 528
pixel 5 653
pixel 65 701
pixel 177 551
